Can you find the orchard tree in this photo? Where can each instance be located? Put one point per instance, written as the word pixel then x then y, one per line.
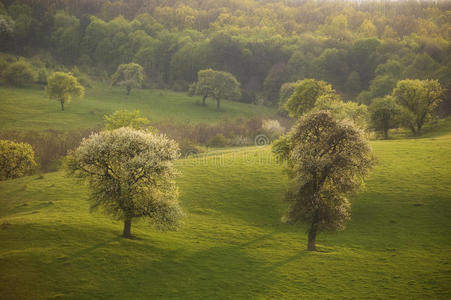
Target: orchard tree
pixel 129 75
pixel 16 159
pixel 305 95
pixel 131 175
pixel 384 114
pixel 218 85
pixel 327 159
pixel 418 100
pixel 62 87
pixel 125 118
pixel 19 73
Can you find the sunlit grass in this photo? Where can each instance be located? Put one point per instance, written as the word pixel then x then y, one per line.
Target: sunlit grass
pixel 30 108
pixel 232 244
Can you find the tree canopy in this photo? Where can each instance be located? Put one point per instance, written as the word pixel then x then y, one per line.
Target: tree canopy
pixel 418 100
pixel 130 174
pixel 327 160
pixel 305 94
pixel 218 85
pixel 16 159
pixel 128 75
pixel 384 114
pixel 125 118
pixel 62 87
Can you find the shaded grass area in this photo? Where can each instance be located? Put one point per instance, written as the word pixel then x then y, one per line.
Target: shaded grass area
pixel 31 109
pixel 232 244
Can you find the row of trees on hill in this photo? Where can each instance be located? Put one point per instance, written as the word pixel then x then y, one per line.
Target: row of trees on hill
pixel 412 103
pixel 362 49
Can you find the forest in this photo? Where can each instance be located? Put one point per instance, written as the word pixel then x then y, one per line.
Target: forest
pixel 361 48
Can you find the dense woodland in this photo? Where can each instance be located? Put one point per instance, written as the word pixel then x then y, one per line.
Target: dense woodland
pixel 361 48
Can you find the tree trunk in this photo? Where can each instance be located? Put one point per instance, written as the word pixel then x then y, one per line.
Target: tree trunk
pixel 62 104
pixel 218 104
pixel 385 133
pixel 127 228
pixel 203 100
pixel 311 246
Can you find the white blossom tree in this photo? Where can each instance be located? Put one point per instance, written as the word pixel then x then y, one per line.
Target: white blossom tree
pixel 131 174
pixel 327 160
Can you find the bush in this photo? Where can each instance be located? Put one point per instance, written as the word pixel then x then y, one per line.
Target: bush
pixel 218 141
pixel 16 159
pixel 19 73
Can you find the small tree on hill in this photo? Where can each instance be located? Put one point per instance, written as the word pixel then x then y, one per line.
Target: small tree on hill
pixel 327 159
pixel 305 94
pixel 128 75
pixel 16 159
pixel 62 87
pixel 131 175
pixel 418 100
pixel 19 73
pixel 384 114
pixel 218 85
pixel 125 118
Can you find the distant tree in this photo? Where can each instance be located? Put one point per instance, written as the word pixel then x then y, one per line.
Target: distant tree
pixel 418 100
pixel 62 87
pixel 129 75
pixel 204 85
pixel 16 159
pixel 218 85
pixel 384 114
pixel 19 73
pixel 125 118
pixel 131 175
pixel 286 90
pixel 327 159
pixel 305 95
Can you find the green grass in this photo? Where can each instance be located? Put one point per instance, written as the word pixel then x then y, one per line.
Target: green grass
pixel 233 245
pixel 31 109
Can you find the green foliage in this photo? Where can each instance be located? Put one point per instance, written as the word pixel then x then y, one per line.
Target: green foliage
pixel 286 90
pixel 62 87
pixel 130 174
pixel 350 111
pixel 16 159
pixel 305 95
pixel 128 75
pixel 328 160
pixel 125 118
pixel 218 85
pixel 219 141
pixel 19 73
pixel 418 100
pixel 384 114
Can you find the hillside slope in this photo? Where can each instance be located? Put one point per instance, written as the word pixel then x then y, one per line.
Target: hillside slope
pixel 31 109
pixel 233 245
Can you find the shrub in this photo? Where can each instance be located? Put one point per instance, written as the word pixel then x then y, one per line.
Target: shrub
pixel 16 159
pixel 19 73
pixel 218 141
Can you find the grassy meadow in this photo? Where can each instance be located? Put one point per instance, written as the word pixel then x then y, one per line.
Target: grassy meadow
pixel 232 244
pixel 30 108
